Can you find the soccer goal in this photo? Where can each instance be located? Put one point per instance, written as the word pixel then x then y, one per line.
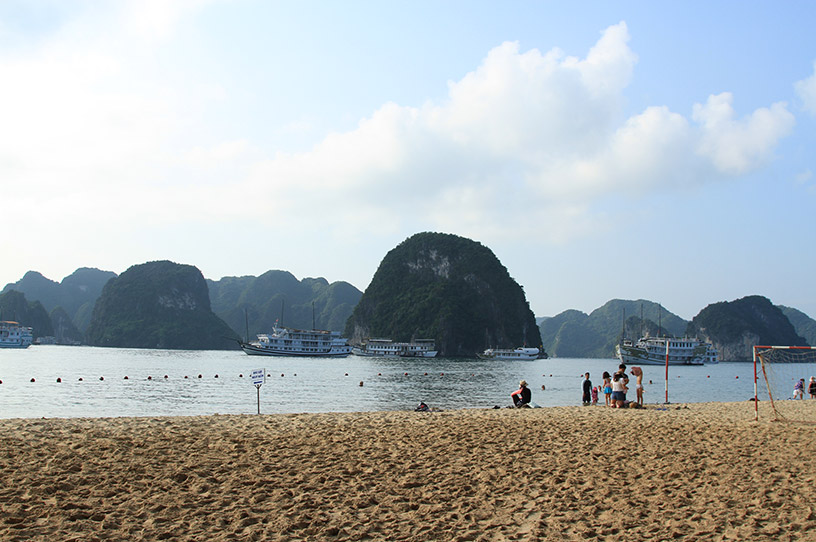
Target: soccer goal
pixel 782 375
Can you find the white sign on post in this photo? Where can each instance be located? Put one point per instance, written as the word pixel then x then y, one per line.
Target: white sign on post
pixel 258 378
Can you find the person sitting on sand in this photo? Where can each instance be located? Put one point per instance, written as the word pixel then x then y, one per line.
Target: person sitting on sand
pixel 522 396
pixel 638 372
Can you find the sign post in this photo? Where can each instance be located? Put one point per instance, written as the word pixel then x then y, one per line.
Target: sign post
pixel 258 378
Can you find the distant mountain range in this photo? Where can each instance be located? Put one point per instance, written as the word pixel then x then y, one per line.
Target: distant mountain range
pixel 251 305
pixel 256 303
pixel 733 327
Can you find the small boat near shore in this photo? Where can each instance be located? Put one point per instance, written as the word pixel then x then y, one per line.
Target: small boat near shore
pixel 516 354
pixel 14 335
pixel 419 348
pixel 284 341
pixel 653 351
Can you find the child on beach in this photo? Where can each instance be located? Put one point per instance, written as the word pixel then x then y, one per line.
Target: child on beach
pixel 607 387
pixel 594 395
pixel 638 372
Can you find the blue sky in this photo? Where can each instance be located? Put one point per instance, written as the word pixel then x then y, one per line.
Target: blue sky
pixel 655 150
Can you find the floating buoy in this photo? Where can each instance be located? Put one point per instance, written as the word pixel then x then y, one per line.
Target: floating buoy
pixel 216 376
pixel 59 380
pixel 199 376
pixel 32 380
pixel 379 374
pixel 406 374
pixel 185 377
pixel 101 378
pixel 361 383
pixel 80 379
pixel 239 376
pixel 426 374
pixel 346 374
pixel 125 377
pixel 1 381
pixel 282 375
pixel 737 376
pixel 149 378
pixel 166 377
pixel 708 376
pixel 441 374
pixel 294 374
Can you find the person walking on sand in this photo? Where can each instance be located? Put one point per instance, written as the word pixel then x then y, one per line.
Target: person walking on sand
pixel 522 396
pixel 586 386
pixel 607 387
pixel 812 387
pixel 638 372
pixel 799 389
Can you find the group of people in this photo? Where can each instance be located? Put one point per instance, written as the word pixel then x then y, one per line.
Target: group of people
pixel 614 388
pixel 799 388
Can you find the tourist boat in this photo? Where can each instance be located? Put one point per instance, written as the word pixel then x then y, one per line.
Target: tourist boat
pixel 13 335
pixel 521 353
pixel 419 348
pixel 284 341
pixel 652 351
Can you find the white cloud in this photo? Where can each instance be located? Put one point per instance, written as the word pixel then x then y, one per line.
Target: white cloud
pixel 806 90
pixel 527 138
pixel 738 146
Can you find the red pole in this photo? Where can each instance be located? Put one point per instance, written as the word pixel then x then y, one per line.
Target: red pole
pixel 756 393
pixel 667 370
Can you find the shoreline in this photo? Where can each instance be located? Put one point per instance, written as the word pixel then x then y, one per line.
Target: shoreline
pixel 692 471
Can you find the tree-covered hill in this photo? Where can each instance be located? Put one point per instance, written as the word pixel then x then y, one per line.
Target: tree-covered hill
pixel 76 294
pixel 576 334
pixel 804 325
pixel 158 305
pixel 279 296
pixel 448 288
pixel 15 307
pixel 735 327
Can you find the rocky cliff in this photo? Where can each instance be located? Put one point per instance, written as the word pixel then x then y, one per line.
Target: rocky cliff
pixel 158 305
pixel 448 288
pixel 735 327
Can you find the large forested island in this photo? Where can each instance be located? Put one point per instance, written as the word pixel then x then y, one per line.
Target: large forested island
pixel 158 305
pixel 448 288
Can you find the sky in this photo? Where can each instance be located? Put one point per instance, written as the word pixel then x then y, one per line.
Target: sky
pixel 602 150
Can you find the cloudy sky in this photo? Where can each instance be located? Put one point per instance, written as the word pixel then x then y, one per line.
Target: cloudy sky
pixel 655 150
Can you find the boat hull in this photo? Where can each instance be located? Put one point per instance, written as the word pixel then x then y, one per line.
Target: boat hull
pixel 255 350
pixel 631 355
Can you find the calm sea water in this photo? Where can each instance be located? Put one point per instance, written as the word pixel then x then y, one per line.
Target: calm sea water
pixel 293 385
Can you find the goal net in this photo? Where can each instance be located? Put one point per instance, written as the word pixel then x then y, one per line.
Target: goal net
pixel 782 376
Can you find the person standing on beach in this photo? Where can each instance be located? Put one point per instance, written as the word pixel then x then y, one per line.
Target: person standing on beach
pixel 607 387
pixel 587 389
pixel 812 387
pixel 522 396
pixel 638 372
pixel 799 389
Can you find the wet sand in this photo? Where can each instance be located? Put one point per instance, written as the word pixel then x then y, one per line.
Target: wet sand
pixel 698 472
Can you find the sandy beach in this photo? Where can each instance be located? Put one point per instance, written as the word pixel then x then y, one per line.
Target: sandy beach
pixel 703 471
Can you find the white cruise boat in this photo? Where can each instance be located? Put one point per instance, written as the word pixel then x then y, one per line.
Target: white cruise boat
pixel 284 341
pixel 520 353
pixel 652 351
pixel 419 348
pixel 13 335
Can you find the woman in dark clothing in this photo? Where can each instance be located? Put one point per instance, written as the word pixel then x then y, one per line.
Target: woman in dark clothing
pixel 521 397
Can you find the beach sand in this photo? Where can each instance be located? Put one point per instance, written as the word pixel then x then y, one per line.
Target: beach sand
pixel 698 472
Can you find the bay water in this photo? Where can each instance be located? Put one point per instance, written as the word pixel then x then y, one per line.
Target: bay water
pixel 110 382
